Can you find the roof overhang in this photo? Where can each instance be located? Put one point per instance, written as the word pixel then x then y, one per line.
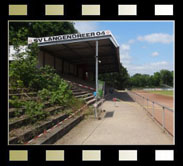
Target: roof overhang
pixel 80 49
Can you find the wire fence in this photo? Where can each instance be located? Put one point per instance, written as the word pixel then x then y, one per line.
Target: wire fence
pixel 162 114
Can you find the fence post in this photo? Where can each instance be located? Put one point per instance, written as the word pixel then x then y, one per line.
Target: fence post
pixel 153 109
pixel 163 118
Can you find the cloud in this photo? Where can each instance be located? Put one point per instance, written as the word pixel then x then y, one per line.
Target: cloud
pixel 86 26
pixel 156 38
pixel 131 41
pixel 125 47
pixel 125 58
pixel 149 68
pixel 154 54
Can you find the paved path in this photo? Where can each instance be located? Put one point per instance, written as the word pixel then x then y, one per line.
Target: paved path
pixel 129 125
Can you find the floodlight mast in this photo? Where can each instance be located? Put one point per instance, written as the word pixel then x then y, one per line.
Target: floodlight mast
pixel 96 78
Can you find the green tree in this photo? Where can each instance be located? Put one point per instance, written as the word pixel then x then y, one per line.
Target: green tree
pixel 20 31
pixel 118 80
pixel 157 79
pixel 166 77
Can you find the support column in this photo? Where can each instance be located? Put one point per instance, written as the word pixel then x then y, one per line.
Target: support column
pixel 96 71
pixel 96 78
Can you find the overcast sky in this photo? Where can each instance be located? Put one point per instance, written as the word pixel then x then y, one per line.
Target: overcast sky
pixel 145 47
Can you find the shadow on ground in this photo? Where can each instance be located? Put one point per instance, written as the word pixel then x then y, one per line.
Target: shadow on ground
pixel 120 95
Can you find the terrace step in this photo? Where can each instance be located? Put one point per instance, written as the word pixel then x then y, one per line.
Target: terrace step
pixel 58 132
pixel 24 120
pixel 20 111
pixel 25 99
pixel 82 96
pixel 91 101
pixel 99 103
pixel 76 90
pixel 31 94
pixel 80 93
pixel 88 98
pixel 29 133
pixel 19 90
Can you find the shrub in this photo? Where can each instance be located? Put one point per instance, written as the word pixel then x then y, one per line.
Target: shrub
pixel 35 111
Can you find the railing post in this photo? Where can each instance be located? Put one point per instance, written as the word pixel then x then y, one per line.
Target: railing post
pixel 163 118
pixel 153 109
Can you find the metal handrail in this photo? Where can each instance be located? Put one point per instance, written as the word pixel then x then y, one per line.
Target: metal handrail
pixel 136 98
pixel 169 109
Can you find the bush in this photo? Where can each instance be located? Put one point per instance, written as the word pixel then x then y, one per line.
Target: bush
pixel 15 102
pixel 50 87
pixel 35 111
pixel 23 69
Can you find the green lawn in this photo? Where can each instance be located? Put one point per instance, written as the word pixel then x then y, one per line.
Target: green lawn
pixel 163 92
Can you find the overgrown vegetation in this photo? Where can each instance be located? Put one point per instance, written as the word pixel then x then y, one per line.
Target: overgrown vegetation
pixel 24 73
pixel 25 76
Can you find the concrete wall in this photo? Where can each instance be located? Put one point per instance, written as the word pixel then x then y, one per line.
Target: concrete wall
pixel 72 69
pixel 80 73
pixel 45 58
pixel 90 76
pixel 66 67
pixel 49 59
pixel 58 65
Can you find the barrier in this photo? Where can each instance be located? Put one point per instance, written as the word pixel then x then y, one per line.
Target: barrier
pixel 160 113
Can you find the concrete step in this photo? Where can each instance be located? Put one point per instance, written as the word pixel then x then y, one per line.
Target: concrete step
pixel 30 94
pixel 99 103
pixel 25 120
pixel 58 132
pixel 32 132
pixel 17 112
pixel 76 90
pixel 82 96
pixel 79 93
pixel 92 101
pixel 88 98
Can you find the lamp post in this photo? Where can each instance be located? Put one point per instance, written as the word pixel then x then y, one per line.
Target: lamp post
pixel 96 72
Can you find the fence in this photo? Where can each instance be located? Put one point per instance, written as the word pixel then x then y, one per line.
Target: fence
pixel 162 114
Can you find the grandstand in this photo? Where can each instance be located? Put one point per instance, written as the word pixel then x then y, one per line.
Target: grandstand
pixel 74 56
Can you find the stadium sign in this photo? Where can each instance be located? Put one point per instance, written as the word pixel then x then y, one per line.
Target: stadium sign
pixel 68 37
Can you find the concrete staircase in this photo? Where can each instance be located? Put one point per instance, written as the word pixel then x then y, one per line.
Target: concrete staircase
pixel 85 94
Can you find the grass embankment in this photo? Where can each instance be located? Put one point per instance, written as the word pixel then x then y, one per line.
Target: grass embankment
pixel 163 92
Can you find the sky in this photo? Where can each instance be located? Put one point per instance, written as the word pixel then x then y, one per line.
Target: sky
pixel 145 47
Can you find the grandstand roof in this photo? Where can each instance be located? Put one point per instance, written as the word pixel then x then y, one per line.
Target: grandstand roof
pixel 81 49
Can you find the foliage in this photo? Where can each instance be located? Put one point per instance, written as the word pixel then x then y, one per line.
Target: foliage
pixel 44 94
pixel 158 79
pixel 35 110
pixel 62 95
pixel 15 102
pixel 118 80
pixel 25 74
pixel 23 69
pixel 166 77
pixel 20 31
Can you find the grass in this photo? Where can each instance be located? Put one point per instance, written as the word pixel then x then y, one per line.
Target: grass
pixel 163 92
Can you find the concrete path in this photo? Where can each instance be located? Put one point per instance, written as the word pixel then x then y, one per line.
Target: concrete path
pixel 128 125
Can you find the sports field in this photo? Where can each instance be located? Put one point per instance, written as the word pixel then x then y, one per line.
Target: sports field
pixel 163 92
pixel 160 97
